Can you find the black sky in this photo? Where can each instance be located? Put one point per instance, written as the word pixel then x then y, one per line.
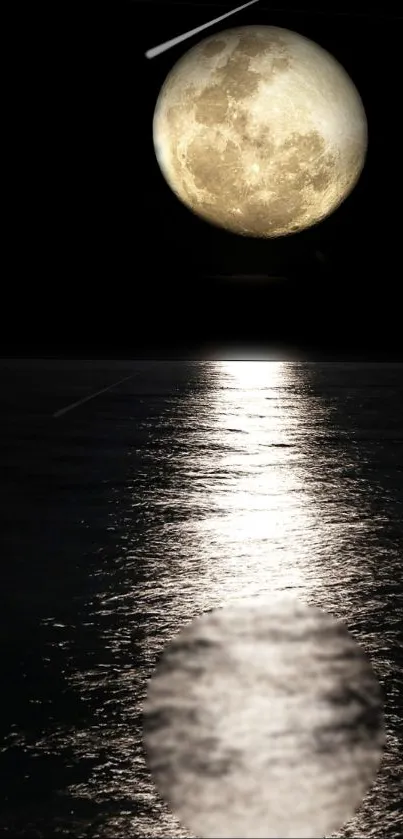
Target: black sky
pixel 106 261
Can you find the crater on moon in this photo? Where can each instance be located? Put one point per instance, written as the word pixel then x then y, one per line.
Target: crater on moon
pixel 260 130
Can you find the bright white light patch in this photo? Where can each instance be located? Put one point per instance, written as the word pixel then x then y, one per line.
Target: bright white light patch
pixel 264 720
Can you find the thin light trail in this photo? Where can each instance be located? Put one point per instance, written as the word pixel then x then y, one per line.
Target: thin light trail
pixel 174 41
pixel 91 396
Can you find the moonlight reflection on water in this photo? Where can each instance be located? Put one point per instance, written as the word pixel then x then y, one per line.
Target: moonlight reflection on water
pixel 193 486
pixel 264 720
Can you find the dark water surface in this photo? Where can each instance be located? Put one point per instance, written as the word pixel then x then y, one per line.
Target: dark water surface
pixel 187 487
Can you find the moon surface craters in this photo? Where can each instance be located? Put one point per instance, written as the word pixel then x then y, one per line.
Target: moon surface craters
pixel 260 131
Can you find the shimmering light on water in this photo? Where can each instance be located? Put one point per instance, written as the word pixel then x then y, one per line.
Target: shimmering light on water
pixel 193 486
pixel 257 495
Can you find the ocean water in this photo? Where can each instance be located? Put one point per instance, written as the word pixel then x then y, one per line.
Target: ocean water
pixel 190 486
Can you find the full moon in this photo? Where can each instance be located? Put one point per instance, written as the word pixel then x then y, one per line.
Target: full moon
pixel 260 131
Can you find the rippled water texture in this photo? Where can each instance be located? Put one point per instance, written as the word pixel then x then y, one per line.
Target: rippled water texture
pixel 189 487
pixel 264 721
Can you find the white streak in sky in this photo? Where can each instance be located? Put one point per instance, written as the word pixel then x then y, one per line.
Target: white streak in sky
pixel 178 40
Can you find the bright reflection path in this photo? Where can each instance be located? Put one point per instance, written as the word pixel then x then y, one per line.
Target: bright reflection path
pixel 259 506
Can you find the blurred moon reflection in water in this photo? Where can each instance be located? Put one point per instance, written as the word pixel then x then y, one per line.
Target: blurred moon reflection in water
pixel 264 720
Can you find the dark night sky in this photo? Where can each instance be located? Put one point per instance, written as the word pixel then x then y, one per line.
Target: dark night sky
pixel 110 261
